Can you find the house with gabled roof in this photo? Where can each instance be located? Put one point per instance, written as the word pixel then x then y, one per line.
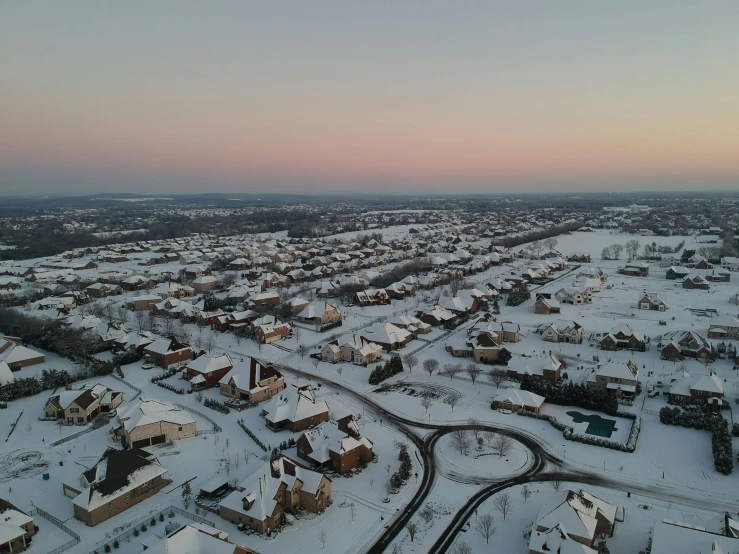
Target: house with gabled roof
pixel 623 337
pixel 252 381
pixel 651 301
pixel 120 480
pixel 207 370
pixel 149 422
pixel 546 368
pixel 617 378
pixel 336 445
pixel 724 327
pixel 572 516
pixel 517 399
pixel 280 486
pixel 562 330
pixel 319 313
pixel 697 391
pixel 387 335
pixel 167 352
pixel 680 344
pixel 546 305
pixel 80 406
pixel 295 409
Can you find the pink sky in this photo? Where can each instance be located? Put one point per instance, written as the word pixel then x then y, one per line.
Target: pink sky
pixel 368 98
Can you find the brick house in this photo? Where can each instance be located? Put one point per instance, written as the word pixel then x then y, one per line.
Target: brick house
pixel 680 344
pixel 696 282
pixel 319 313
pixel 120 480
pixel 295 409
pixel 546 369
pixel 206 371
pixel 280 486
pixel 623 337
pixel 651 301
pixel 336 445
pixel 635 270
pixel 546 306
pixel 167 352
pixel 708 389
pixel 272 332
pixel 252 382
pixel 563 330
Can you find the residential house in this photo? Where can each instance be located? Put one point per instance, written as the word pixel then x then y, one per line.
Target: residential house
pixel 545 368
pixel 82 405
pixel 574 295
pixel 624 337
pixel 336 445
pixel 697 391
pixel 252 381
pixel 193 538
pixel 546 305
pixel 730 262
pixel 16 529
pixel 167 352
pixel 651 301
pixel 279 487
pixel 319 313
pixel 18 356
pixel 696 282
pixel 102 290
pixel 143 302
pixel 677 272
pixel 724 327
pixel 387 335
pixel 437 316
pixel 575 517
pixel 507 331
pixel 635 270
pixel 562 330
pixel 149 422
pixel 207 370
pixel 351 348
pixel 204 283
pixel 680 344
pixel 483 347
pixel 671 537
pixel 617 378
pixel 719 276
pixel 120 480
pixel 268 333
pixel 295 409
pixel 518 400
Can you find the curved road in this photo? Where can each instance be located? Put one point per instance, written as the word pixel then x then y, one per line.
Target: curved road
pixel 545 467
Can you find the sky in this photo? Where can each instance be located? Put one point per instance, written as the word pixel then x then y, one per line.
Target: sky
pixel 368 96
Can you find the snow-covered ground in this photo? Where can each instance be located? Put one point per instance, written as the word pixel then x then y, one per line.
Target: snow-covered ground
pixel 678 460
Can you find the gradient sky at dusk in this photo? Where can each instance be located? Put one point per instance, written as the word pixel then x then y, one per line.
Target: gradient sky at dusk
pixel 371 96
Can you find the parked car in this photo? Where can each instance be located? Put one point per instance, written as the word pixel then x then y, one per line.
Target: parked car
pixel 503 411
pixel 653 393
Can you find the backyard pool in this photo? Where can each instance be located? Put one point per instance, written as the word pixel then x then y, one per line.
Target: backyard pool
pixel 598 426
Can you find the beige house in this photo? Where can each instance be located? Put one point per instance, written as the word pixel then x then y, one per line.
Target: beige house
pixel 120 480
pixel 351 348
pixel 723 327
pixel 150 422
pixel 252 381
pixel 620 379
pixel 16 529
pixel 82 405
pixel 319 313
pixel 279 487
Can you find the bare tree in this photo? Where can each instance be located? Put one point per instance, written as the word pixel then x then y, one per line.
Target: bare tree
pixel 151 321
pixel 503 504
pixel 452 370
pixel 302 350
pixel 632 248
pixel 397 549
pixel 525 493
pixel 485 526
pixel 352 509
pixel 451 400
pixel 617 249
pixel 472 422
pixel 315 362
pixel 387 469
pixel 340 369
pixel 502 445
pixel 122 315
pixel 460 439
pixel 209 342
pixel 412 528
pixel 473 371
pixel 411 361
pixel 322 536
pixel 556 482
pixel 371 482
pixel 168 325
pixel 550 243
pixel 427 514
pixel 109 312
pixel 140 319
pixel 497 377
pixel 427 401
pixel 462 547
pixel 488 436
pixel 430 366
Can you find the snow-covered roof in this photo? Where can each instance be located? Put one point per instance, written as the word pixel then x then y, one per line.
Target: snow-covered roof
pixel 208 364
pixel 519 397
pixel 295 404
pixel 6 375
pixel 681 538
pixel 145 412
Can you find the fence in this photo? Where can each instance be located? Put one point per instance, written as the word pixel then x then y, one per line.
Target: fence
pixel 46 515
pixel 138 390
pixel 136 528
pixel 216 427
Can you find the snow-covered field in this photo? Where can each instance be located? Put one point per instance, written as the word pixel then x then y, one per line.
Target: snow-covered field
pixel 677 460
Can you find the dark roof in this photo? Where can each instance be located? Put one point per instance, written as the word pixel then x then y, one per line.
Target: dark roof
pixel 259 372
pixel 85 399
pixel 121 464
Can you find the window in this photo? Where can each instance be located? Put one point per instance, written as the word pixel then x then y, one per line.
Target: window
pixel 80 420
pixel 128 495
pixel 110 505
pixel 179 428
